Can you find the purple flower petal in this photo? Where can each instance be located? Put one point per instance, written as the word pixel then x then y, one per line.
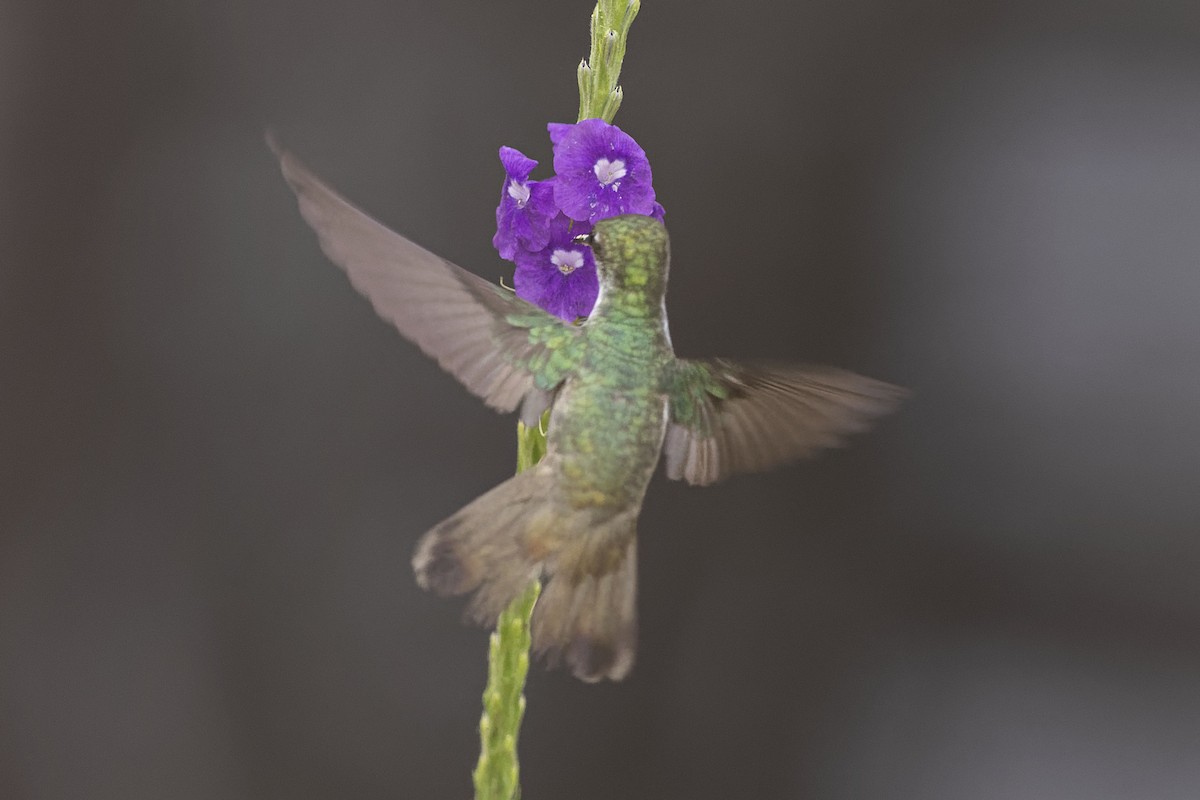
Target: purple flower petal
pixel 559 131
pixel 526 207
pixel 560 278
pixel 601 171
pixel 517 165
pixel 659 213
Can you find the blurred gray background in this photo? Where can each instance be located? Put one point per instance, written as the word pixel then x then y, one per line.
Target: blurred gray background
pixel 215 460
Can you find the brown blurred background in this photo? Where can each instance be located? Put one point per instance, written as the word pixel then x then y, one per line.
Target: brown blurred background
pixel 215 460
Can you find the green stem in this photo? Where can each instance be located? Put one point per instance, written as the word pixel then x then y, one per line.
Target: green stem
pixel 599 93
pixel 497 775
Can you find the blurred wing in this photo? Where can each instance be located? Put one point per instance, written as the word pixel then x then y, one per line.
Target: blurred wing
pixel 501 347
pixel 728 418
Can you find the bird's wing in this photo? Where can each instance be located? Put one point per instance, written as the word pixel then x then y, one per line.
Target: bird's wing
pixel 728 417
pixel 502 348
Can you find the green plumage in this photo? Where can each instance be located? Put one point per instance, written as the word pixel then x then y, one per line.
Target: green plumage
pixel 618 399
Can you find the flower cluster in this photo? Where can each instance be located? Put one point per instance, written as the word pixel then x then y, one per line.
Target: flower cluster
pixel 600 172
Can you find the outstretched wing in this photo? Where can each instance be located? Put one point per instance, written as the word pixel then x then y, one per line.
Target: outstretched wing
pixel 502 348
pixel 728 417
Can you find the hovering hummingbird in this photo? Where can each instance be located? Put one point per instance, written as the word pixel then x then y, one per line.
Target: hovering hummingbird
pixel 618 398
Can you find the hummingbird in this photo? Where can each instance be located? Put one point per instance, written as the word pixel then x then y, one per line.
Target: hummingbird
pixel 619 399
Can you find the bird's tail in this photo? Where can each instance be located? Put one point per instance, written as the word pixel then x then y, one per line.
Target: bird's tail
pixel 523 529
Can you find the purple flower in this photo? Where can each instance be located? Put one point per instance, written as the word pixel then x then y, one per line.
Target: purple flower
pixel 601 172
pixel 526 207
pixel 560 278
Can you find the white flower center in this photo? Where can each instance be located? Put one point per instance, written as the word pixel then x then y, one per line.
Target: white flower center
pixel 567 261
pixel 518 191
pixel 609 171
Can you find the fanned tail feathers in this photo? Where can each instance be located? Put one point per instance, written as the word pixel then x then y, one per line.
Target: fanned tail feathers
pixel 586 616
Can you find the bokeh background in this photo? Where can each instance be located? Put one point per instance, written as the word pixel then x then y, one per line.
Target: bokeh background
pixel 215 460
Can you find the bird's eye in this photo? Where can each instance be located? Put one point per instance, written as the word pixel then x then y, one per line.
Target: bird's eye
pixel 592 240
